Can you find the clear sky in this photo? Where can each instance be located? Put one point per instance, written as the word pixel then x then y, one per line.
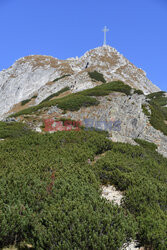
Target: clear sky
pixel 68 28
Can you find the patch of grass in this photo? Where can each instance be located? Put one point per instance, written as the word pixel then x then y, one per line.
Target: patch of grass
pixel 42 126
pixel 138 91
pixel 156 95
pixel 28 100
pixel 107 88
pixel 25 101
pixel 158 98
pixel 157 118
pixel 158 111
pixel 97 76
pixel 13 130
pixel 27 111
pixel 34 96
pixel 75 102
pixel 145 109
pixel 80 99
pixel 61 77
pixel 56 94
pixel 72 102
pixel 164 111
pixel 146 144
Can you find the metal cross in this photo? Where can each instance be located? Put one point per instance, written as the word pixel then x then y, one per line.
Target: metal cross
pixel 105 30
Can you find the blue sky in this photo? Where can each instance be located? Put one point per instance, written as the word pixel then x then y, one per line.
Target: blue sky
pixel 68 28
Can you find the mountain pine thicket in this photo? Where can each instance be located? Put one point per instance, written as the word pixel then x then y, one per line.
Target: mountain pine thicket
pixel 51 197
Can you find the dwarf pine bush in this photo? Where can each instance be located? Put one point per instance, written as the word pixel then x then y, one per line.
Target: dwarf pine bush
pixel 50 195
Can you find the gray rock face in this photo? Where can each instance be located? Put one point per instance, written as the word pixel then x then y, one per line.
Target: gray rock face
pixel 10 119
pixel 128 111
pixel 54 109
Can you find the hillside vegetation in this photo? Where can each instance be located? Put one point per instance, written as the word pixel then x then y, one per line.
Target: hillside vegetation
pixel 158 116
pixel 80 99
pixel 56 94
pixel 51 199
pixel 97 76
pixel 28 100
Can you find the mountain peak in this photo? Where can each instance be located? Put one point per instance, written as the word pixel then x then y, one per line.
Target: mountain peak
pixel 114 66
pixel 36 74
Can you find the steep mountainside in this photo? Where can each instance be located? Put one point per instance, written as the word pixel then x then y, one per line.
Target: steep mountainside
pixel 126 113
pixel 43 75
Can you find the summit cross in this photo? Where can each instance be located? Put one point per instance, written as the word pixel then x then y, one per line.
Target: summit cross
pixel 105 30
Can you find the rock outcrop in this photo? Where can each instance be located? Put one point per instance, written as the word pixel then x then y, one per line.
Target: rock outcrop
pixel 125 112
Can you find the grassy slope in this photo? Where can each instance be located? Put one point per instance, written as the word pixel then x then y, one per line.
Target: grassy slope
pixel 56 94
pixel 83 98
pixel 13 130
pixel 50 194
pixel 158 116
pixel 141 173
pixel 28 100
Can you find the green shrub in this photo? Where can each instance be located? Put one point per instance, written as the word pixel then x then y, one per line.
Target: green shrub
pixel 157 118
pixel 50 196
pixel 153 224
pixel 146 144
pixel 56 94
pixel 145 109
pixel 28 100
pixel 75 102
pixel 164 112
pixel 141 173
pixel 34 96
pixel 107 88
pixel 158 111
pixel 156 95
pixel 61 77
pixel 25 101
pixel 138 91
pixel 97 76
pixel 13 130
pixel 71 102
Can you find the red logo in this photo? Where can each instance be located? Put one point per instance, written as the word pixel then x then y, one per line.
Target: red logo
pixel 53 125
